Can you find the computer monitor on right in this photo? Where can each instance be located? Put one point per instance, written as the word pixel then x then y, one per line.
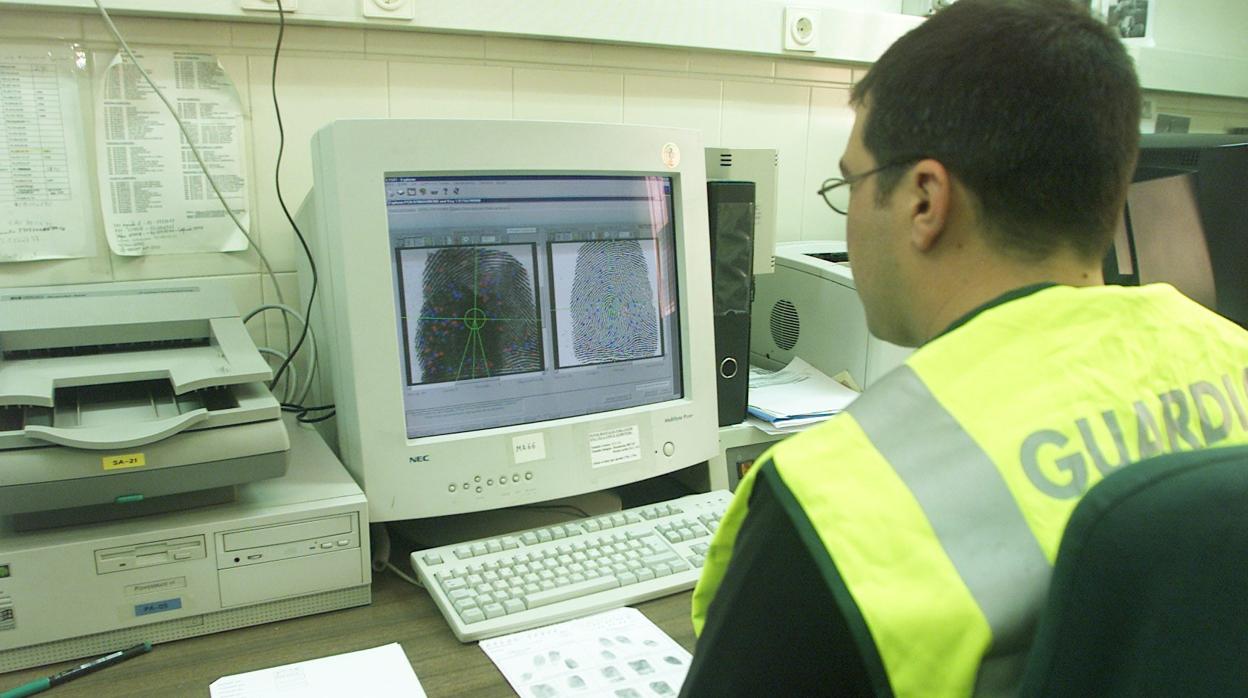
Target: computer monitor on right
pixel 1185 222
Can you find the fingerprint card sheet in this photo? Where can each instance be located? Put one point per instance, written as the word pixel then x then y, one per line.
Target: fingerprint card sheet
pixel 619 653
pixel 606 301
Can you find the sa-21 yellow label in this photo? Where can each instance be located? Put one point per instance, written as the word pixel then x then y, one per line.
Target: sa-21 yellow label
pixel 127 460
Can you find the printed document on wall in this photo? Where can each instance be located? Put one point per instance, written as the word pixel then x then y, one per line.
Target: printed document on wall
pixel 46 208
pixel 155 197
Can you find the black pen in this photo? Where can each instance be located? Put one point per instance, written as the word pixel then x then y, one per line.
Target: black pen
pixel 81 670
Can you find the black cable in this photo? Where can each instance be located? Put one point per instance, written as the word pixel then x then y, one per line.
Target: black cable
pixel 302 419
pixel 291 407
pixel 277 181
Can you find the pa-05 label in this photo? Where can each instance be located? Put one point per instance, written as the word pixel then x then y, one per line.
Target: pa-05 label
pixel 147 609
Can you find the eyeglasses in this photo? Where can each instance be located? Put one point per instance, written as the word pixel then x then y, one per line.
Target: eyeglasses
pixel 835 193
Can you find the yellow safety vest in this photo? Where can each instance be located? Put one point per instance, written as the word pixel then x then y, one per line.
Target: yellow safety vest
pixel 942 494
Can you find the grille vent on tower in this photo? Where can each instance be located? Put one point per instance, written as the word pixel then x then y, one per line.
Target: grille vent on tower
pixel 785 325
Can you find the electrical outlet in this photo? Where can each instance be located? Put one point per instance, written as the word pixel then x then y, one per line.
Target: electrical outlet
pixel 389 9
pixel 801 29
pixel 269 5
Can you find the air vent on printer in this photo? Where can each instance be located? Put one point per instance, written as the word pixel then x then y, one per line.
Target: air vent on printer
pixel 785 325
pixel 725 159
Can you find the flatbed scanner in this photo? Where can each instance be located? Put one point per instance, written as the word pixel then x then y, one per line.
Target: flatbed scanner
pixel 117 397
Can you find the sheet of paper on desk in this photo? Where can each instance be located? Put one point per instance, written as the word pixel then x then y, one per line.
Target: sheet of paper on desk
pixel 618 653
pixel 379 672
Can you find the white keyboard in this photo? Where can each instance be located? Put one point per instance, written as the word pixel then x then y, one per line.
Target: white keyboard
pixel 528 579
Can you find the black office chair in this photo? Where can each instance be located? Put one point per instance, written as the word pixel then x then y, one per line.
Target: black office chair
pixel 1150 590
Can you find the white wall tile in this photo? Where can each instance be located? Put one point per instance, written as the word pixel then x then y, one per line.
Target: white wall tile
pixel 773 116
pixel 298 38
pixel 568 95
pixel 669 101
pixel 449 91
pixel 641 58
pixel 731 64
pixel 380 41
pixel 505 48
pixel 167 266
pixel 312 92
pixel 813 71
pixel 831 120
pixel 53 272
pixel 39 25
pixel 150 31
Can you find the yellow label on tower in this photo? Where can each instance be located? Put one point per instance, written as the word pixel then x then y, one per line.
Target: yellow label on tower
pixel 127 460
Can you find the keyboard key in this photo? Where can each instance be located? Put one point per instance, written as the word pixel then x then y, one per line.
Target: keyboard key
pixel 494 610
pixel 472 615
pixel 571 591
pixel 513 605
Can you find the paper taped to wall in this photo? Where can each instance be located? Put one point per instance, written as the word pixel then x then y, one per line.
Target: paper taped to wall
pixel 46 209
pixel 155 197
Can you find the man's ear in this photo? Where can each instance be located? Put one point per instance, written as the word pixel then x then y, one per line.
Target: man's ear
pixel 929 191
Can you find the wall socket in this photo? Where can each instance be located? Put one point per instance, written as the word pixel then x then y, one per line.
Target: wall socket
pixel 389 9
pixel 801 28
pixel 269 5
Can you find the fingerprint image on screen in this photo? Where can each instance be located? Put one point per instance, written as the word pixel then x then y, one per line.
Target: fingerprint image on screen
pixel 606 301
pixel 470 312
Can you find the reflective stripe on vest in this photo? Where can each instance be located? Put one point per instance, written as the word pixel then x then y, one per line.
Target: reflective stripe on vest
pixel 971 510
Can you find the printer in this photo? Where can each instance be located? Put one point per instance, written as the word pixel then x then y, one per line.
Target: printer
pixel 809 308
pixel 123 399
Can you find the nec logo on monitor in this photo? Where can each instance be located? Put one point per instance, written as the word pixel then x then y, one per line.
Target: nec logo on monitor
pixel 418 459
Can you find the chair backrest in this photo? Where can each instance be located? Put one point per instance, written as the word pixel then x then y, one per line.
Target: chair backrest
pixel 1150 590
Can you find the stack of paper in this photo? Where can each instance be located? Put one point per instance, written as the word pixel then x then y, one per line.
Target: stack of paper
pixel 794 397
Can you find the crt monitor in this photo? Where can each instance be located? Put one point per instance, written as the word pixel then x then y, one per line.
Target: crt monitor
pixel 1184 222
pixel 510 312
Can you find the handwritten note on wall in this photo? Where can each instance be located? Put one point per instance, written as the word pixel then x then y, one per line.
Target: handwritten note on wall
pixel 154 195
pixel 46 207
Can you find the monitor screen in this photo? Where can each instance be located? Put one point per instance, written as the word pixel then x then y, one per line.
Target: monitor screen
pixel 1167 236
pixel 527 298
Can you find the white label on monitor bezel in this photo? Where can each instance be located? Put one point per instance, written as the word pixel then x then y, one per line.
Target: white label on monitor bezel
pixel 528 447
pixel 614 446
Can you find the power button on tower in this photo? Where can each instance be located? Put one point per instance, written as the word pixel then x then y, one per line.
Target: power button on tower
pixel 669 448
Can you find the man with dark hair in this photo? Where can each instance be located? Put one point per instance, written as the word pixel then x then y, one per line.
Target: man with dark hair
pixel 905 547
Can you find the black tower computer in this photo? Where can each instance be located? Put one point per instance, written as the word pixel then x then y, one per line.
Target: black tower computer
pixel 1186 221
pixel 730 213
